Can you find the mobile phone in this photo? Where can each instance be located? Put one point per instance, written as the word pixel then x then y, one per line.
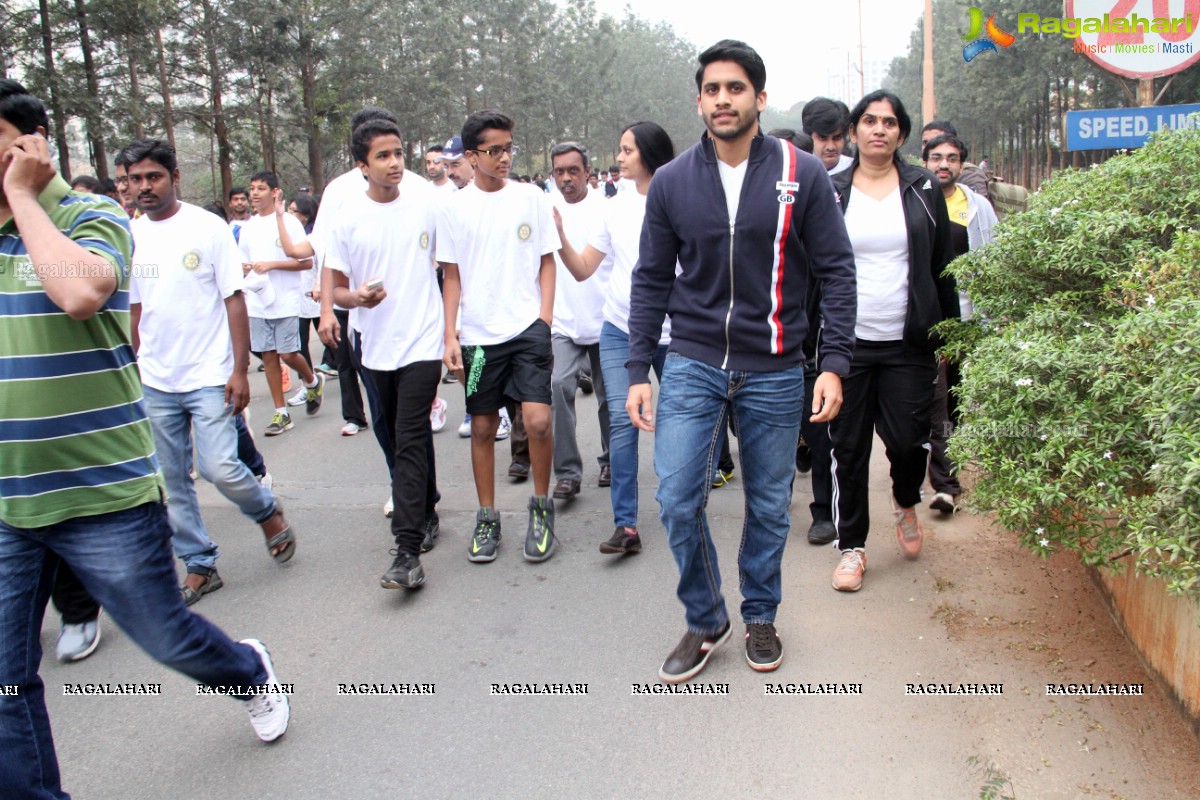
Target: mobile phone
pixel 374 284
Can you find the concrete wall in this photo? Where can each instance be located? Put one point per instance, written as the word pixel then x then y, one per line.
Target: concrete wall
pixel 1165 629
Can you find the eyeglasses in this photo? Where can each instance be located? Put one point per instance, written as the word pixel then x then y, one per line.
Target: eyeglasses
pixel 497 151
pixel 937 158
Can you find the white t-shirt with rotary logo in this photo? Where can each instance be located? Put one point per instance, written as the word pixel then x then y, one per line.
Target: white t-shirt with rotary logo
pixel 394 242
pixel 259 241
pixel 183 269
pixel 497 239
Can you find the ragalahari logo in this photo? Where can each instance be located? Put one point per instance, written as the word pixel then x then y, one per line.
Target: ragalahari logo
pixel 993 35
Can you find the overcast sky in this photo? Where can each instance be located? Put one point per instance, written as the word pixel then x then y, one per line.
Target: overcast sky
pixel 797 40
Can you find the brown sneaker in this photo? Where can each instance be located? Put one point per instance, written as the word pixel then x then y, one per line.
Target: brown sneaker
pixel 848 575
pixel 908 532
pixel 623 540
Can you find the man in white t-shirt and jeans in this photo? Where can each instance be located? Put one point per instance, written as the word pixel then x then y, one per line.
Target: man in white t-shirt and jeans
pixel 382 258
pixel 189 326
pixel 275 311
pixel 578 316
pixel 495 240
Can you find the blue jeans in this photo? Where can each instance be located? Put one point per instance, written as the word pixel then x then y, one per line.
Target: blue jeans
pixel 175 418
pixel 693 405
pixel 622 436
pixel 123 560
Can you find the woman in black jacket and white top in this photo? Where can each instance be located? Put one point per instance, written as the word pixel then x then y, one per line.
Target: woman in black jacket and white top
pixel 896 217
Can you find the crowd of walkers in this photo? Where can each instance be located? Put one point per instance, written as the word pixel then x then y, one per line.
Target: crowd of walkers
pixel 782 288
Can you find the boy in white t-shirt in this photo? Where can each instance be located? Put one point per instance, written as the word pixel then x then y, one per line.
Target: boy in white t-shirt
pixel 381 255
pixel 273 283
pixel 189 326
pixel 496 241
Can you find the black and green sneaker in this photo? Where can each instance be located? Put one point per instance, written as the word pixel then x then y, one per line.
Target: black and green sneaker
pixel 487 536
pixel 540 542
pixel 315 395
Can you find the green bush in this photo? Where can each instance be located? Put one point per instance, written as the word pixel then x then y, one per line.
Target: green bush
pixel 1080 396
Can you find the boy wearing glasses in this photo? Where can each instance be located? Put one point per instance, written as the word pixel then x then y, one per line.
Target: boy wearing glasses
pixel 944 155
pixel 496 241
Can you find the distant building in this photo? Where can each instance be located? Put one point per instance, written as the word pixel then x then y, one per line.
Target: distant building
pixel 842 77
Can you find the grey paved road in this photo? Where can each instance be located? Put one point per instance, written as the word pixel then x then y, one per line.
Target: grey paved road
pixel 580 618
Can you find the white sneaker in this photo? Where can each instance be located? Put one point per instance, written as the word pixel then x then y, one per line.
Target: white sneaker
pixel 270 712
pixel 505 428
pixel 437 414
pixel 77 642
pixel 266 480
pixel 464 430
pixel 388 508
pixel 350 429
pixel 299 398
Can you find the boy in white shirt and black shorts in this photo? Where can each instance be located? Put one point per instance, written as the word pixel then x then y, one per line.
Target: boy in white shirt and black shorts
pixel 496 241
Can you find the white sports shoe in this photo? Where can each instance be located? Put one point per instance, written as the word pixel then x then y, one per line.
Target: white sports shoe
pixel 437 414
pixel 299 398
pixel 505 428
pixel 269 712
pixel 350 429
pixel 464 430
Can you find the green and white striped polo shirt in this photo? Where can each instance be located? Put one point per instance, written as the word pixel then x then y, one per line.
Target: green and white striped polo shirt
pixel 74 437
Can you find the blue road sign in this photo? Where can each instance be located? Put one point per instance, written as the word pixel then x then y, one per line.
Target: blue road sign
pixel 1125 127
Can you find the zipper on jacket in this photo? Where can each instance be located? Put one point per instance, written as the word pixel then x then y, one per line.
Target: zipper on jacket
pixel 729 313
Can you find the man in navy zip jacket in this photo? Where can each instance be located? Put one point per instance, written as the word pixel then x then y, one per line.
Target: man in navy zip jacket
pixel 750 220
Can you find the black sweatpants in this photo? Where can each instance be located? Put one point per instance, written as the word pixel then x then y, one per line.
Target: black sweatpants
pixel 889 390
pixel 405 395
pixel 816 436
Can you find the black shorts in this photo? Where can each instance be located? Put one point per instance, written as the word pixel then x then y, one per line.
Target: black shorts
pixel 519 369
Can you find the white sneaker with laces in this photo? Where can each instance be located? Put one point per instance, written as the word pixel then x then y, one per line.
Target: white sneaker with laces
pixel 505 428
pixel 350 429
pixel 270 711
pixel 464 430
pixel 437 414
pixel 299 398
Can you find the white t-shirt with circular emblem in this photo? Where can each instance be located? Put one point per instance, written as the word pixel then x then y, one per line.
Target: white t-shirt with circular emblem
pixel 497 239
pixel 259 241
pixel 393 241
pixel 183 269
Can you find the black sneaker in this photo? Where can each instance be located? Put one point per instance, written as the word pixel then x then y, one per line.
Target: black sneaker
pixel 314 396
pixel 822 532
pixel 623 540
pixel 432 529
pixel 406 572
pixel 540 542
pixel 487 536
pixel 691 654
pixel 764 651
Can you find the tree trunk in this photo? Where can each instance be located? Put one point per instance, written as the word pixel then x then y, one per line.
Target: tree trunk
pixel 308 98
pixel 135 92
pixel 164 87
pixel 60 121
pixel 95 123
pixel 220 129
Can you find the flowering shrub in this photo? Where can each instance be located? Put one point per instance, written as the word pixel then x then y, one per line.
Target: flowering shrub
pixel 1080 396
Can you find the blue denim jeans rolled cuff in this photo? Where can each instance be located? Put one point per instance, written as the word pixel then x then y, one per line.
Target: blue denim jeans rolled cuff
pixel 178 419
pixel 123 559
pixel 622 435
pixel 694 403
